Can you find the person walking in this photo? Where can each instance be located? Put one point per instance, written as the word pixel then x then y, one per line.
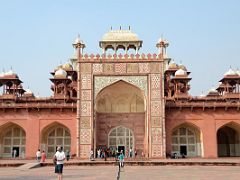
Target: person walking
pixel 98 153
pixel 91 155
pixel 135 153
pixel 38 155
pixel 131 153
pixel 59 158
pixel 121 159
pixel 43 157
pixel 14 153
pixel 68 155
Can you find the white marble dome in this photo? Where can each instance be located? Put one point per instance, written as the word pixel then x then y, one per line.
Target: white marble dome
pixel 60 73
pixel 9 73
pixel 67 66
pixel 180 72
pixel 212 90
pixel 2 74
pixel 181 66
pixel 230 72
pixel 238 72
pixel 120 35
pixel 28 91
pixel 172 65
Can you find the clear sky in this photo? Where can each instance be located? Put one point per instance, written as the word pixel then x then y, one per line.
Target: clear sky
pixel 35 36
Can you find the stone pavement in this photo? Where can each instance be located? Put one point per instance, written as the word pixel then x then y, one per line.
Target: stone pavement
pixel 128 173
pixel 187 161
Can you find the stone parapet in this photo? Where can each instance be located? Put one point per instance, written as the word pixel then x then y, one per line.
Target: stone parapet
pixel 117 57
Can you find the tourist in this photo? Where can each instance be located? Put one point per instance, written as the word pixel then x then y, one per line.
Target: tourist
pixel 130 152
pixel 43 157
pixel 126 154
pixel 121 159
pixel 135 153
pixel 67 155
pixel 142 154
pixel 98 153
pixel 59 158
pixel 91 155
pixel 38 155
pixel 105 154
pixel 14 153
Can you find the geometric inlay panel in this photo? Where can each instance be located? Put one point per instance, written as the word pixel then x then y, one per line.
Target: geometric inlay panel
pixel 85 68
pixel 97 68
pixel 155 108
pixel 120 68
pixel 156 94
pixel 85 136
pixel 86 95
pixel 155 68
pixel 155 81
pixel 156 150
pixel 85 122
pixel 156 121
pixel 156 136
pixel 108 68
pixel 144 68
pixel 84 151
pixel 101 82
pixel 85 108
pixel 132 68
pixel 86 81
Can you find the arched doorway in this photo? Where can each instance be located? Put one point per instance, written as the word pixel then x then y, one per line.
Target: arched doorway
pixel 186 140
pixel 120 105
pixel 13 139
pixel 53 136
pixel 120 138
pixel 228 141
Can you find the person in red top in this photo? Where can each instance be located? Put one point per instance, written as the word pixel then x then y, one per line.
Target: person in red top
pixel 43 157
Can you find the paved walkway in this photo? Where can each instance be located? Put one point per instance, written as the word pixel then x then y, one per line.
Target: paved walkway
pixel 132 162
pixel 220 160
pixel 128 173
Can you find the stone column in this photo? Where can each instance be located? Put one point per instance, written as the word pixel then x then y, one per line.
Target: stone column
pixel 156 115
pixel 86 114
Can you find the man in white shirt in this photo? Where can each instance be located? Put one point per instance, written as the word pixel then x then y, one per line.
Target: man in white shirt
pixel 38 155
pixel 59 157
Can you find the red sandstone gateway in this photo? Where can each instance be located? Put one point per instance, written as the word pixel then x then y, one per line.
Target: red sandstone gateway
pixel 121 102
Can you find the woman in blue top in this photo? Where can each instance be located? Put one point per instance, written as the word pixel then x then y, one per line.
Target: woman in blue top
pixel 121 159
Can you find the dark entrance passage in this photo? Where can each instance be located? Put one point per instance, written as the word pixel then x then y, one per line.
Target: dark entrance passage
pixel 15 152
pixel 121 148
pixel 183 150
pixel 228 142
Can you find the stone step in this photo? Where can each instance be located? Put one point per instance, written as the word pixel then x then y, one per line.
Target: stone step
pixel 28 166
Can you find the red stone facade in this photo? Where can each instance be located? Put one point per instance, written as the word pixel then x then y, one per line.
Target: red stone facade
pixel 144 97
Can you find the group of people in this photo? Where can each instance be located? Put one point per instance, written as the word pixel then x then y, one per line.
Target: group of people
pixel 113 152
pixel 40 156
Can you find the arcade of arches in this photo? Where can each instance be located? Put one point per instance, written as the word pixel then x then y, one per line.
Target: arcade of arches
pixel 121 101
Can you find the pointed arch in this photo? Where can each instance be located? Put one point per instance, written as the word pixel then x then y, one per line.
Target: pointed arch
pixel 121 138
pixel 231 124
pixel 120 96
pixel 53 135
pixel 186 139
pixel 228 140
pixel 12 140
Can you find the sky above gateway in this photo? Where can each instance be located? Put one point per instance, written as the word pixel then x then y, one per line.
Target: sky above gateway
pixel 36 36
